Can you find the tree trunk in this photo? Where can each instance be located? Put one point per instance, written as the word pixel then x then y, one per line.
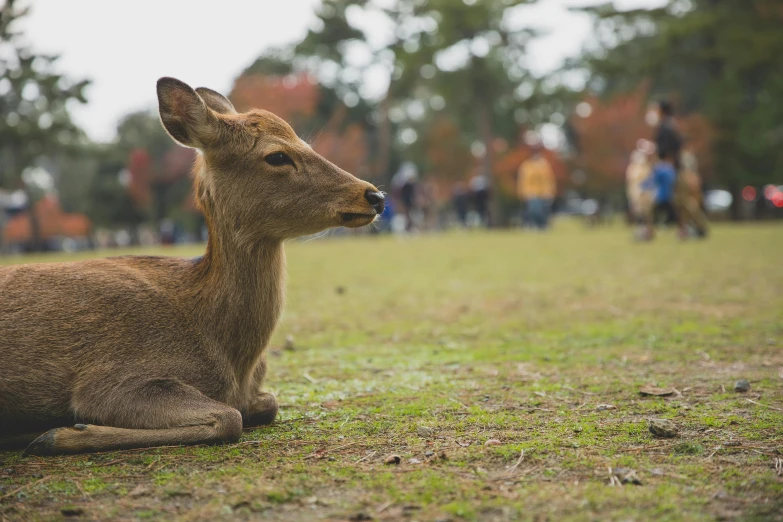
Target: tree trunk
pixel 488 137
pixel 382 174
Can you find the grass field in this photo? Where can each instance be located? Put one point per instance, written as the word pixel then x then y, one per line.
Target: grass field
pixel 429 347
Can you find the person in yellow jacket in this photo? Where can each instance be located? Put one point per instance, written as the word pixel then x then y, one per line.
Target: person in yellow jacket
pixel 536 188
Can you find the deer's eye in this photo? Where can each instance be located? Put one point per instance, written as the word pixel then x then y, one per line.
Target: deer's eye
pixel 278 159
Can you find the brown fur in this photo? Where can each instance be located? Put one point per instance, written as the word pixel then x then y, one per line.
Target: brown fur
pixel 145 351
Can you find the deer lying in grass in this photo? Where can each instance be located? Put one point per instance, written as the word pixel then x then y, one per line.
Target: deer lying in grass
pixel 150 351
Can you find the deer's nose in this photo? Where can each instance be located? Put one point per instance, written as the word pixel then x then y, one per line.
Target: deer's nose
pixel 375 199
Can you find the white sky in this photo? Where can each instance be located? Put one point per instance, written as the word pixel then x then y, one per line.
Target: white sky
pixel 125 46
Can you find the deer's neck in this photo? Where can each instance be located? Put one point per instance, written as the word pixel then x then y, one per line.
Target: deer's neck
pixel 241 296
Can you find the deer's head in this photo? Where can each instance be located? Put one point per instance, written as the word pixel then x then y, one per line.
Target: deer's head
pixel 255 176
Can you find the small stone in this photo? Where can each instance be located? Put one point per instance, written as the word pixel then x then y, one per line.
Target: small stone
pixel 663 428
pixel 429 453
pixel 604 407
pixel 289 343
pixel 414 460
pixel 742 386
pixel 392 459
pixel 425 431
pixel 493 442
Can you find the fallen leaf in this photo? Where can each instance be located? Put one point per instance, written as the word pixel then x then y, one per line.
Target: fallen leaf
pixel 493 442
pixel 655 391
pixel 392 459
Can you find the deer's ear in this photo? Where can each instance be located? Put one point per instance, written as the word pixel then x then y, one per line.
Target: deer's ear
pixel 216 101
pixel 184 114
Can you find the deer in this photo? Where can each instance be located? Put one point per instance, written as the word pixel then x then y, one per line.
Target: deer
pixel 141 351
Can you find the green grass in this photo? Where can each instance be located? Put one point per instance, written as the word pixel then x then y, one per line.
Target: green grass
pixel 522 338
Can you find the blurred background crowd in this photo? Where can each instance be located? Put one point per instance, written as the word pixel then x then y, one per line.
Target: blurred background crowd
pixel 437 102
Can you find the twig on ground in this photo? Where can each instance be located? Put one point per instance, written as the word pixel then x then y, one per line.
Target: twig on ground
pixel 324 452
pixel 110 463
pixel 714 451
pixel 369 455
pixel 383 507
pixel 578 391
pixel 309 377
pixel 763 405
pixel 614 481
pixel 452 399
pixel 517 463
pixel 28 485
pixel 86 496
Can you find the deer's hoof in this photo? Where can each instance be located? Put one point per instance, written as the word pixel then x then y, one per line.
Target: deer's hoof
pixel 42 446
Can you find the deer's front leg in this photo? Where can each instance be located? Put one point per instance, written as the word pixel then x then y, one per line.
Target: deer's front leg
pixel 261 412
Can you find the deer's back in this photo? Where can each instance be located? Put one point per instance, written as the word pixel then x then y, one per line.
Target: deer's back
pixel 67 326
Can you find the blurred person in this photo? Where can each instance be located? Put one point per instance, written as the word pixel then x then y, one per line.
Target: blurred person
pixel 668 147
pixel 637 173
pixel 661 193
pixel 536 188
pixel 479 190
pixel 668 140
pixel 425 203
pixel 460 198
pixel 404 183
pixel 688 196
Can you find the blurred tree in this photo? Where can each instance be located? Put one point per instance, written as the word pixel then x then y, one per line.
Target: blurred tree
pixel 34 117
pixel 292 96
pixel 156 169
pixel 141 177
pixel 447 61
pixel 723 58
pixel 606 132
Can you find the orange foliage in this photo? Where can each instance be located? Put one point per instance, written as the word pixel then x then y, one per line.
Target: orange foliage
pixel 145 173
pixel 53 222
pixel 140 168
pixel 608 136
pixel 294 97
pixel 346 147
pixel 448 155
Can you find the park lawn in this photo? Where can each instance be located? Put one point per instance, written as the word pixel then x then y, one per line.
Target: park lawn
pixel 428 347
